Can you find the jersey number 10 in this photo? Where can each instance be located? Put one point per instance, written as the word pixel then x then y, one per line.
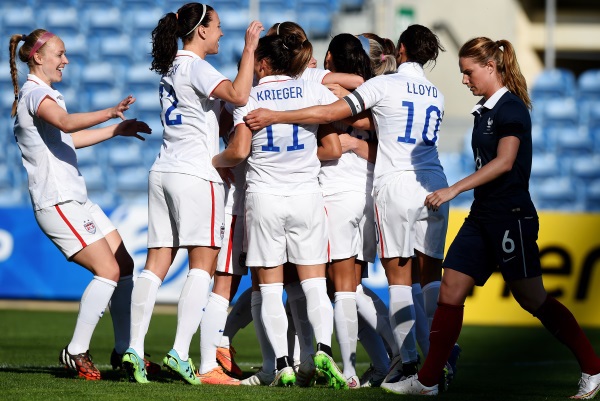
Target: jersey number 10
pixel 407 138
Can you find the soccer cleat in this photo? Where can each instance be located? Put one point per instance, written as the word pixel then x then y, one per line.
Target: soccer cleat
pixel 134 366
pixel 395 372
pixel 260 378
pixel 353 383
pixel 410 385
pixel 372 378
pixel 81 363
pixel 589 386
pixel 217 376
pixel 284 377
pixel 305 373
pixel 225 359
pixel 185 369
pixel 445 378
pixel 326 365
pixel 453 360
pixel 116 361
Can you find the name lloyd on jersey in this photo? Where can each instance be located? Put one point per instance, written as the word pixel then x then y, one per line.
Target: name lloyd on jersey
pixel 420 89
pixel 279 94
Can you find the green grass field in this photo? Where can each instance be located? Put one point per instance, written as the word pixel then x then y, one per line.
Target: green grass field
pixel 497 363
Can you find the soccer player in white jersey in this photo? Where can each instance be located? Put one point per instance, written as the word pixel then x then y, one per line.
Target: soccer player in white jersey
pixel 285 214
pixel 47 136
pixel 406 170
pixel 186 193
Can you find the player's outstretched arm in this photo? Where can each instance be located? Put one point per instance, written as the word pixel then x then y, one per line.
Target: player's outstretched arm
pixel 260 118
pixel 364 149
pixel 133 127
pixel 53 114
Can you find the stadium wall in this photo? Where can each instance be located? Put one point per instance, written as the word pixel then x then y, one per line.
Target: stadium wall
pixel 32 268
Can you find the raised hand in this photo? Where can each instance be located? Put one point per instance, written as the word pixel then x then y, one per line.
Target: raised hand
pixel 123 106
pixel 132 128
pixel 253 34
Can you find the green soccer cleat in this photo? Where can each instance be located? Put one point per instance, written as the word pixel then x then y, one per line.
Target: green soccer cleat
pixel 326 365
pixel 134 366
pixel 285 377
pixel 185 369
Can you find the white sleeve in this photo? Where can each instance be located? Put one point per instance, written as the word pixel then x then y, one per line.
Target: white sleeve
pixel 240 112
pixel 34 98
pixel 314 74
pixel 205 78
pixel 366 96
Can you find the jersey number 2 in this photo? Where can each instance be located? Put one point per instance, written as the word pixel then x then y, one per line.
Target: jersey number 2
pixel 170 120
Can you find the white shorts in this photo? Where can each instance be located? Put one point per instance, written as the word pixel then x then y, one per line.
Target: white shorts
pixel 232 257
pixel 351 225
pixel 72 225
pixel 286 228
pixel 184 210
pixel 404 223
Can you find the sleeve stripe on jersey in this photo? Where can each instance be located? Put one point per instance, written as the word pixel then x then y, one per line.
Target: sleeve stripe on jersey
pixel 355 102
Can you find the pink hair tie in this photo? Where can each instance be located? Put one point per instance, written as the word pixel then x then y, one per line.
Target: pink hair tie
pixel 40 42
pixel 382 57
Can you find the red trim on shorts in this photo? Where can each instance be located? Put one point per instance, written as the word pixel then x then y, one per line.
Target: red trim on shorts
pixel 379 230
pixel 212 215
pixel 230 243
pixel 328 243
pixel 83 244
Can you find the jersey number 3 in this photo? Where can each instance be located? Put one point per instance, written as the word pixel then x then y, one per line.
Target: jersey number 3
pixel 407 138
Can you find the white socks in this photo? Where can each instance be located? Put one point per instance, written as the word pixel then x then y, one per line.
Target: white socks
pixel 301 322
pixel 402 319
pixel 143 298
pixel 431 292
pixel 120 312
pixel 274 318
pixel 346 328
pixel 93 303
pixel 266 349
pixel 320 311
pixel 239 317
pixel 211 331
pixel 192 302
pixel 376 314
pixel 421 322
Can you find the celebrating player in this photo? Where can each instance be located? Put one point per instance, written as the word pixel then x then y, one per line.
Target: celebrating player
pixel 502 227
pixel 406 170
pixel 285 214
pixel 48 136
pixel 186 193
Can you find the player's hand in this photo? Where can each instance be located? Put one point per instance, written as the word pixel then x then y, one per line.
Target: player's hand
pixel 123 106
pixel 434 200
pixel 259 118
pixel 338 90
pixel 253 34
pixel 226 175
pixel 132 128
pixel 348 142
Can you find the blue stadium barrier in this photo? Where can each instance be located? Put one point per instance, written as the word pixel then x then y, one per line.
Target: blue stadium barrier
pixel 588 85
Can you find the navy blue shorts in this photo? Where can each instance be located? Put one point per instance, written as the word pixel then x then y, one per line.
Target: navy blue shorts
pixel 510 246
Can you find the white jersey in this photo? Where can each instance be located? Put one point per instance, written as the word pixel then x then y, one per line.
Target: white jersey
pixel 350 172
pixel 190 117
pixel 48 154
pixel 283 159
pixel 314 74
pixel 407 110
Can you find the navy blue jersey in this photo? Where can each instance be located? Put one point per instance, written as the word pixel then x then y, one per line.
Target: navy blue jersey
pixel 507 195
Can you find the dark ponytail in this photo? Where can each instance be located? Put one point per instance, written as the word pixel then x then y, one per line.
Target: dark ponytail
pixel 173 26
pixel 422 45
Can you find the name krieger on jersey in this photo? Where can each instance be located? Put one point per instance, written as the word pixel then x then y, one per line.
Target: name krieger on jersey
pixel 279 94
pixel 420 89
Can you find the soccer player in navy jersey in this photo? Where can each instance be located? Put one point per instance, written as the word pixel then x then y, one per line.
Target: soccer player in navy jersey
pixel 502 227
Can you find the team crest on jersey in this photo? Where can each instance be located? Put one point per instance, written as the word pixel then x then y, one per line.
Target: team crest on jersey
pixel 89 226
pixel 222 230
pixel 490 124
